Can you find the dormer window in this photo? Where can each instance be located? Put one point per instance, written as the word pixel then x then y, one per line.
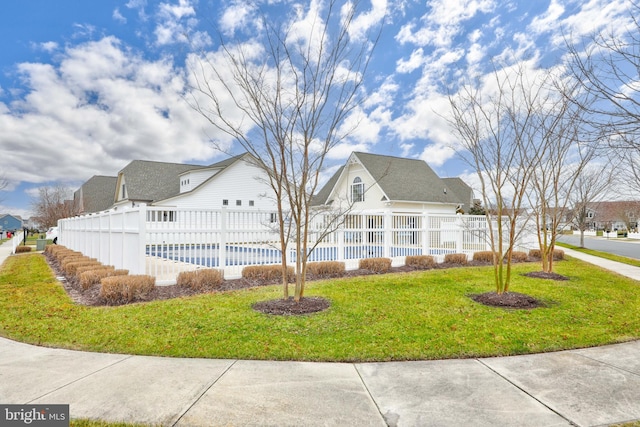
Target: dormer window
pixel 357 190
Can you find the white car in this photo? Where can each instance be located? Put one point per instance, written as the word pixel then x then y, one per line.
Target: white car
pixel 52 234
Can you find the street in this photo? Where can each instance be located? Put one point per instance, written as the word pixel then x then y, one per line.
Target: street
pixel 612 245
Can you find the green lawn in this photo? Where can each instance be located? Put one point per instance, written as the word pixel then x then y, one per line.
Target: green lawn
pixel 424 315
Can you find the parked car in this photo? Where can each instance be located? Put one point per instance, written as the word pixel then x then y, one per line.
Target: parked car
pixel 52 234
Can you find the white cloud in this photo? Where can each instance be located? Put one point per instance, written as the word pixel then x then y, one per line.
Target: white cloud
pixel 97 109
pixel 364 22
pixel 177 24
pixel 118 17
pixel 239 15
pixel 443 22
pixel 415 61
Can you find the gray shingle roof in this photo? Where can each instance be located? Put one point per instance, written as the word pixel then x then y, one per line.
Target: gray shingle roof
pixel 151 181
pixel 97 193
pixel 401 179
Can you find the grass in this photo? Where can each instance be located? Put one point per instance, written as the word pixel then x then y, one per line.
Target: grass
pixel 410 316
pixel 612 257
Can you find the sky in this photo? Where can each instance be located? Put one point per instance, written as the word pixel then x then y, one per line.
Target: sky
pixel 87 87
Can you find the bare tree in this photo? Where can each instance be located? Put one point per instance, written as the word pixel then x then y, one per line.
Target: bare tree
pixel 606 64
pixel 287 102
pixel 498 131
pixel 591 185
pixel 52 204
pixel 564 152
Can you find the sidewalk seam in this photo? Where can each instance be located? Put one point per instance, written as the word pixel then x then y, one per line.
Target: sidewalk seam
pixel 526 392
pixel 364 384
pixel 201 395
pixel 82 378
pixel 617 368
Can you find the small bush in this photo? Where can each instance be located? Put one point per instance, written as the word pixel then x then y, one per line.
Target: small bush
pixel 460 259
pixel 93 277
pixel 420 261
pixel 519 256
pixel 200 279
pixel 22 249
pixel 326 268
pixel 376 265
pixel 126 289
pixel 82 269
pixel 558 254
pixel 266 272
pixel 483 256
pixel 71 267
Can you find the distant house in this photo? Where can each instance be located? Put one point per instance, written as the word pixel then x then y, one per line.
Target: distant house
pixel 614 215
pixel 95 195
pixel 10 222
pixel 371 182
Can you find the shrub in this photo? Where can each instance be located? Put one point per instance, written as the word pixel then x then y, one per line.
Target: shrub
pixel 420 261
pixel 266 272
pixel 93 277
pixel 82 269
pixel 326 268
pixel 535 253
pixel 71 267
pixel 200 279
pixel 125 289
pixel 519 256
pixel 558 254
pixel 376 265
pixel 483 256
pixel 22 249
pixel 460 259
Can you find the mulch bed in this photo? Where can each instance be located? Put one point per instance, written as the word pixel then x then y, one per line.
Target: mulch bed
pixel 545 275
pixel 512 300
pixel 91 296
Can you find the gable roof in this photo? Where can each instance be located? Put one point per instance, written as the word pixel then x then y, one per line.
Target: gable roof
pixel 221 166
pixel 400 179
pixel 463 192
pixel 97 194
pixel 150 181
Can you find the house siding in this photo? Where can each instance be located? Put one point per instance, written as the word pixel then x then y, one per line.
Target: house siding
pixel 195 178
pixel 236 182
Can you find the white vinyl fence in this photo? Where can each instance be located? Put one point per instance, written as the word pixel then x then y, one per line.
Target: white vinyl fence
pixel 164 241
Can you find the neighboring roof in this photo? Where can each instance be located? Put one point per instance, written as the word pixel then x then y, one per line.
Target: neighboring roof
pixel 322 197
pixel 615 210
pixel 151 181
pixel 97 193
pixel 401 179
pixel 460 189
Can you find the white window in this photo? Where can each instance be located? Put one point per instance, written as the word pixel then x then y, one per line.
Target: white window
pixel 238 202
pixel 251 203
pixel 357 190
pixel 225 202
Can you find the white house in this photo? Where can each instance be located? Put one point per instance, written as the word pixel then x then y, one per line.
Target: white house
pixel 235 183
pixel 376 183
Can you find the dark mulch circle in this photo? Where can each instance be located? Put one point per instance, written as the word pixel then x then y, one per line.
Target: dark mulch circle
pixel 288 307
pixel 507 300
pixel 545 275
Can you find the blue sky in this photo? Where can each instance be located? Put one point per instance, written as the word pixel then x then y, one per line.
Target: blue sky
pixel 88 86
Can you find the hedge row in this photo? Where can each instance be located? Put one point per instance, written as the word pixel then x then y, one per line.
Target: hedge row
pixel 116 286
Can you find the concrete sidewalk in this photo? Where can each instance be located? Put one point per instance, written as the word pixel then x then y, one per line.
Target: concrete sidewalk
pixel 587 387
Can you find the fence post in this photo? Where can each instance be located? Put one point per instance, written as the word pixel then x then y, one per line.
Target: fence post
pixel 426 235
pixel 222 245
pixel 460 237
pixel 387 223
pixel 142 239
